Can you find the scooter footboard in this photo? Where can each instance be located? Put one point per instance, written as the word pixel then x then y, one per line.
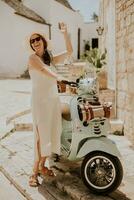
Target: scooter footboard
pixel 99 144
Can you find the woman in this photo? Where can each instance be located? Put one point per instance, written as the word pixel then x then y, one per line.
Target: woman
pixel 46 108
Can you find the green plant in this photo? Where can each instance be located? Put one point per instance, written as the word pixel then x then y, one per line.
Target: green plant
pixel 86 46
pixel 25 74
pixel 95 17
pixel 95 57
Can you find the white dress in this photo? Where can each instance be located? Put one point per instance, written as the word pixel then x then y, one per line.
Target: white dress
pixel 46 112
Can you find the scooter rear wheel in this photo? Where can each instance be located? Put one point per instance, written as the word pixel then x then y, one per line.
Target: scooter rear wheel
pixel 101 173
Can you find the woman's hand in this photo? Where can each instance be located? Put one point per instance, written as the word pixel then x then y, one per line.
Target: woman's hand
pixel 63 27
pixel 63 56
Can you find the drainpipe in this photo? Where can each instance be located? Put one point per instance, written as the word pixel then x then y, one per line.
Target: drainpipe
pixel 50 32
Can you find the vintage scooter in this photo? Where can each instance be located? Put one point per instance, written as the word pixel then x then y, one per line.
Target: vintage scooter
pixel 84 137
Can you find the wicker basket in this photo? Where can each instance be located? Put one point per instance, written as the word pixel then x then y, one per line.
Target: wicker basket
pixel 61 87
pixel 73 90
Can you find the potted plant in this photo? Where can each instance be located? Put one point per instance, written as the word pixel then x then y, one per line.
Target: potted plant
pixel 95 57
pixel 98 60
pixel 86 45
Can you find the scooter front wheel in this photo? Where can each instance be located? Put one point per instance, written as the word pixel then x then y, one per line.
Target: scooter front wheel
pixel 102 173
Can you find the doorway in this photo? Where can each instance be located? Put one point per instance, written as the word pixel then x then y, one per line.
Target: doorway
pixel 79 46
pixel 94 43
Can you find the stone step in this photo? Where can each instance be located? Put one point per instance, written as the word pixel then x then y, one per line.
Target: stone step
pixel 64 71
pixel 117 127
pixel 68 180
pixel 23 126
pixel 55 192
pixel 64 74
pixel 62 68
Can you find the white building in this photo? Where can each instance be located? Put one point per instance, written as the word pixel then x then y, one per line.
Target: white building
pixel 19 18
pixel 90 34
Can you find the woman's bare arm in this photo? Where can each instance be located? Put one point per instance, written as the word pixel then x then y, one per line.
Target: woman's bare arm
pixel 59 58
pixel 63 56
pixel 36 63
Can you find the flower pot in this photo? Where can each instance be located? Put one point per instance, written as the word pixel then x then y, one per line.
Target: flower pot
pixel 102 78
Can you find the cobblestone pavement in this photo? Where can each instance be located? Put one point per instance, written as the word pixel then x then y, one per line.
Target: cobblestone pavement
pixel 14 97
pixel 16 156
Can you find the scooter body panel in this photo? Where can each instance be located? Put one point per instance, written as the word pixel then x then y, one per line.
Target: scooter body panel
pixel 99 144
pixel 75 145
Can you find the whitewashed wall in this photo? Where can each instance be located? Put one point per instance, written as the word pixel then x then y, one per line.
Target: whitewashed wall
pixel 73 20
pixel 13 54
pixel 54 12
pixel 89 31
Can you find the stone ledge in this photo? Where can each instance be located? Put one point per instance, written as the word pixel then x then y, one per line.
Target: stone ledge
pixel 117 127
pixel 69 182
pixel 23 126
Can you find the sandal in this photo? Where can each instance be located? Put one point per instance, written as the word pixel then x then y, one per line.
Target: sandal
pixel 45 171
pixel 33 181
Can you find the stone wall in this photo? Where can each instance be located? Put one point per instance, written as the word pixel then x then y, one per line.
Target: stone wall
pixel 125 64
pixel 107 39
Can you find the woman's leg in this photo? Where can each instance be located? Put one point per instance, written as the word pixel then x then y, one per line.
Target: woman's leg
pixel 39 166
pixel 36 163
pixel 65 111
pixel 43 170
pixel 42 162
pixel 46 171
pixel 33 180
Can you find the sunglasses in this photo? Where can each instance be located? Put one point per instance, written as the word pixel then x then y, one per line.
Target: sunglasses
pixel 37 39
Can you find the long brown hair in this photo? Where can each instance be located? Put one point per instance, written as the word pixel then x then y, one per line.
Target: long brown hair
pixel 47 56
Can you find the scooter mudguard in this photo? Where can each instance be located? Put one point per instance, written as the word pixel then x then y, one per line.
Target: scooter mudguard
pixel 99 144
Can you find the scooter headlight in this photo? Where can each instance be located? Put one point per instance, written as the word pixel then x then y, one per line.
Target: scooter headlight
pixel 88 86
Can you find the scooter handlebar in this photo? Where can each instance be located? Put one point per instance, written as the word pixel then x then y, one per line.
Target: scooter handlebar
pixel 71 83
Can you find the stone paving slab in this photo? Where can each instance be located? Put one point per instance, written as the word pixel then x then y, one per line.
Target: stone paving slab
pixel 19 169
pixel 71 173
pixel 75 188
pixel 17 160
pixel 14 98
pixel 6 185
